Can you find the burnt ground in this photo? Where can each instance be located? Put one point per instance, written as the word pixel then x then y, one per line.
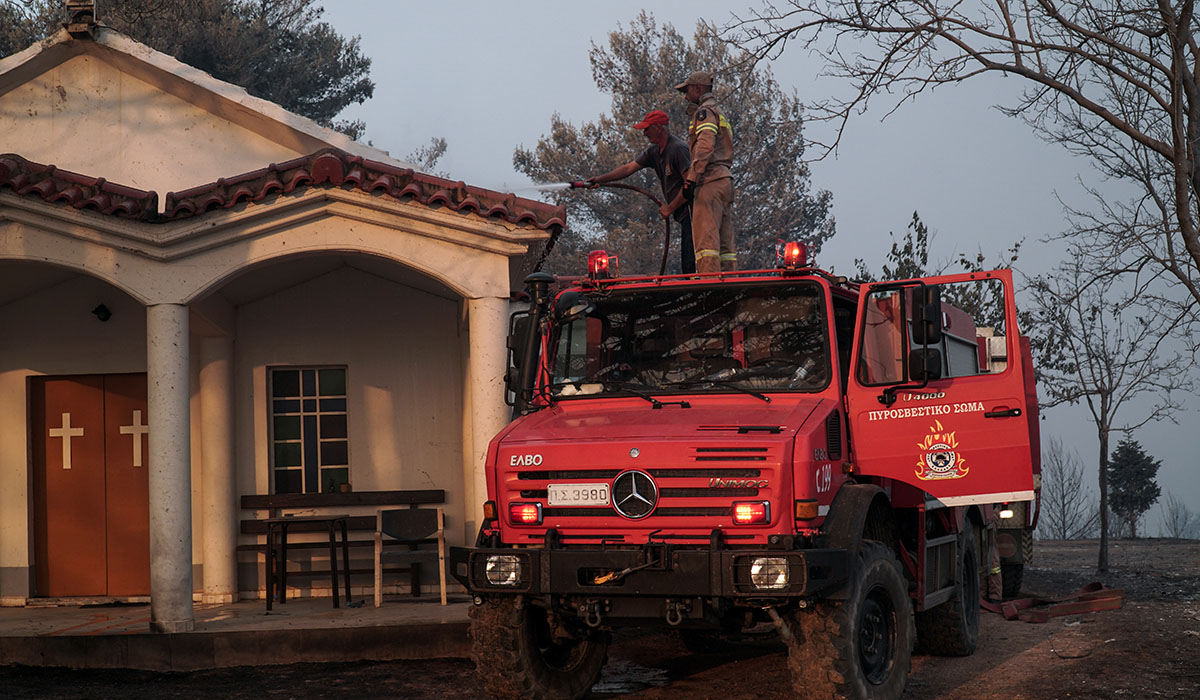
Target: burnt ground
pixel 1147 649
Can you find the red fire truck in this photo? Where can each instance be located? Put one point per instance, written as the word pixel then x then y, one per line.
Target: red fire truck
pixel 714 452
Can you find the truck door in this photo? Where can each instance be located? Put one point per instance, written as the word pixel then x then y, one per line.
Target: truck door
pixel 936 395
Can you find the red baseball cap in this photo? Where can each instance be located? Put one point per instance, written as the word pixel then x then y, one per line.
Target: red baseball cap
pixel 656 117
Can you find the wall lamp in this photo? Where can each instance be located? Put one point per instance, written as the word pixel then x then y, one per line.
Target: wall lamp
pixel 102 312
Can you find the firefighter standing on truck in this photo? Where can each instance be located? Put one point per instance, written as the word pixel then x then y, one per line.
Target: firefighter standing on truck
pixel 709 182
pixel 669 156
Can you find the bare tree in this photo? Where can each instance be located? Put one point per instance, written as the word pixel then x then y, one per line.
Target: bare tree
pixel 1068 507
pixel 1178 521
pixel 1117 81
pixel 1118 527
pixel 1097 344
pixel 427 156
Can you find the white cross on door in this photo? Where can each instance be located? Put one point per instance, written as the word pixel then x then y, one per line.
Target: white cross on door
pixel 137 430
pixel 66 432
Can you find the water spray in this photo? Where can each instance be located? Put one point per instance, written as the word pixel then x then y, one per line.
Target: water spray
pixel 554 186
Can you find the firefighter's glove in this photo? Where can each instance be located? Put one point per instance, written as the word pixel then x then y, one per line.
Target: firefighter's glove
pixel 689 190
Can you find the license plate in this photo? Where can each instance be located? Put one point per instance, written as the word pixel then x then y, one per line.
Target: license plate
pixel 577 495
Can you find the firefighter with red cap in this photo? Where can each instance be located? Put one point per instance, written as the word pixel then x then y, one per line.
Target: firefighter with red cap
pixel 669 157
pixel 708 183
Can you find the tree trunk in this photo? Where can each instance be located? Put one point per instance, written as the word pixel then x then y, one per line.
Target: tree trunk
pixel 1102 561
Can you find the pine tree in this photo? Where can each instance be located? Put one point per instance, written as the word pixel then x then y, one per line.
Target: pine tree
pixel 279 50
pixel 639 68
pixel 1132 490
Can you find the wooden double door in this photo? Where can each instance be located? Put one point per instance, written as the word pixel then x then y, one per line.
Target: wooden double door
pixel 90 457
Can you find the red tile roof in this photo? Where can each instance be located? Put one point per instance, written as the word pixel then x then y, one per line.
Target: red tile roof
pixel 80 191
pixel 325 168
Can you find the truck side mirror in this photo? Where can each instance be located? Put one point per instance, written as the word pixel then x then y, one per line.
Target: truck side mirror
pixel 519 325
pixel 518 334
pixel 925 364
pixel 572 306
pixel 927 315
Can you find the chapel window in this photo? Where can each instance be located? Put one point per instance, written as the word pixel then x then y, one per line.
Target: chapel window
pixel 310 450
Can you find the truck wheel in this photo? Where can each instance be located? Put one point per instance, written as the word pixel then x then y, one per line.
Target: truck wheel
pixel 517 656
pixel 1012 575
pixel 861 648
pixel 952 628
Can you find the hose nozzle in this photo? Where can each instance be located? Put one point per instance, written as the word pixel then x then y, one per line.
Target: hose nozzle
pixel 579 185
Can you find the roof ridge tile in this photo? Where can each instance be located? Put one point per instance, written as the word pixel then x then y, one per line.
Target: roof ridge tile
pixel 329 167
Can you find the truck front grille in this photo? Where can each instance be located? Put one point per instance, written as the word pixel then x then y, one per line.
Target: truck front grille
pixel 606 474
pixel 700 483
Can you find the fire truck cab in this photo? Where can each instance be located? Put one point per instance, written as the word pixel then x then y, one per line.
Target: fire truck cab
pixel 709 452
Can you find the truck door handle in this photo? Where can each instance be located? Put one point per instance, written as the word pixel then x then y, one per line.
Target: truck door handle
pixel 1003 413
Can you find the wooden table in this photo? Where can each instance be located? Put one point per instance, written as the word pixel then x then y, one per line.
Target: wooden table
pixel 276 565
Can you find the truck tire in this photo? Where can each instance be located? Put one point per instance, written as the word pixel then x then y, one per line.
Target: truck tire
pixel 516 656
pixel 861 648
pixel 1012 576
pixel 952 628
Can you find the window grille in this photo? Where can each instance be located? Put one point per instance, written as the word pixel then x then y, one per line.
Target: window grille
pixel 310 449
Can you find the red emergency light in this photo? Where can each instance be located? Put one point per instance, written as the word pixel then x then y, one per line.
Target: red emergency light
pixel 795 255
pixel 601 265
pixel 525 513
pixel 751 513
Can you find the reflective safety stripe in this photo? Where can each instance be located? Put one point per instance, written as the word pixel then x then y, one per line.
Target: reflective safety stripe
pixel 706 253
pixel 995 570
pixel 729 256
pixel 707 127
pixel 725 124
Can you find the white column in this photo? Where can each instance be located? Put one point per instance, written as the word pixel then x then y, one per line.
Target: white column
pixel 170 469
pixel 487 323
pixel 219 499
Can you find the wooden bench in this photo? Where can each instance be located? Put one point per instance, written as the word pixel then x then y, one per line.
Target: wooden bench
pixel 275 506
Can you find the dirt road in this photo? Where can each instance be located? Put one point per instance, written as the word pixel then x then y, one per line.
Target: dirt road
pixel 1148 649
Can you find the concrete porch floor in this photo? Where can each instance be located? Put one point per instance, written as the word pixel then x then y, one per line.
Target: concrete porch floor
pixel 238 634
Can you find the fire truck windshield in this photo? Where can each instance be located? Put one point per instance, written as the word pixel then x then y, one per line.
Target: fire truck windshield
pixel 713 339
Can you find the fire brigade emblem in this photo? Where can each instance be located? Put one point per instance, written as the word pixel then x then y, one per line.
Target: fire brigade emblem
pixel 939 457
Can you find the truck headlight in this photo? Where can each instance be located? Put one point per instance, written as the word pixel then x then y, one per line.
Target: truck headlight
pixel 769 573
pixel 503 569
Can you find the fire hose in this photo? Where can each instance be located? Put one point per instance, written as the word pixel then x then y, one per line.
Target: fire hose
pixel 662 268
pixel 1091 598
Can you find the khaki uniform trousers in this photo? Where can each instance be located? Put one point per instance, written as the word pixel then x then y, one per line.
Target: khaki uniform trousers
pixel 994 587
pixel 712 226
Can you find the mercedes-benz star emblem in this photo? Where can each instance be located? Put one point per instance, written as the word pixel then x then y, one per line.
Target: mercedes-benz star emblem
pixel 634 494
pixel 634 452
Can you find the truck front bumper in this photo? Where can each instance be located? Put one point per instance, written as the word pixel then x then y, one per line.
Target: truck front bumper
pixel 659 571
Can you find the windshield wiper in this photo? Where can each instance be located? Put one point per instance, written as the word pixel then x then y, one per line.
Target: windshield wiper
pixel 725 382
pixel 635 390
